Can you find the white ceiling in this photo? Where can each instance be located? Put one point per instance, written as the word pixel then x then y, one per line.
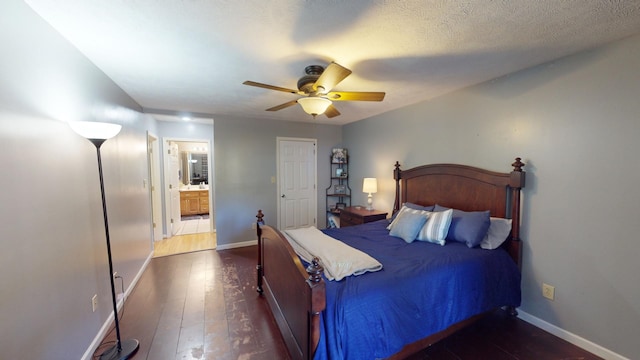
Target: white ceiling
pixel 193 55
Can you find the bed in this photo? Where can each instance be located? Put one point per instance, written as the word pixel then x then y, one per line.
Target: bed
pixel 405 307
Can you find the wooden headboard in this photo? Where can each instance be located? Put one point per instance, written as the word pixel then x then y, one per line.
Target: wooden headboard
pixel 466 188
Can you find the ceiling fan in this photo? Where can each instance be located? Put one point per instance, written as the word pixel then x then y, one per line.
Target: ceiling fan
pixel 316 87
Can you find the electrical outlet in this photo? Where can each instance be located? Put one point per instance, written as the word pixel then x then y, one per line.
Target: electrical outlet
pixel 253 226
pixel 548 291
pixel 94 302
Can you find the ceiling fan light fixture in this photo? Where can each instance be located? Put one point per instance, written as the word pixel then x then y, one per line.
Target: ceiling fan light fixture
pixel 314 105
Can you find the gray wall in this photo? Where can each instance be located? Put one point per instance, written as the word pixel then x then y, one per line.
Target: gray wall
pixel 575 123
pixel 53 257
pixel 245 161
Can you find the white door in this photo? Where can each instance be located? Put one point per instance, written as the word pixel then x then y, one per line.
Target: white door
pixel 156 196
pixel 297 183
pixel 174 188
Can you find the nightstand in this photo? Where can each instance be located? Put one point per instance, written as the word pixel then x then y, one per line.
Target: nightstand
pixel 355 215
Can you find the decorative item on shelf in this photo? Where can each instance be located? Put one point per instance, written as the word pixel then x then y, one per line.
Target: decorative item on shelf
pixel 339 156
pixel 98 133
pixel 339 172
pixel 340 206
pixel 344 175
pixel 370 185
pixel 339 189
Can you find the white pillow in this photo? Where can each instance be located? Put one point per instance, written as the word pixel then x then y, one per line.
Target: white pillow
pixel 436 228
pixel 498 232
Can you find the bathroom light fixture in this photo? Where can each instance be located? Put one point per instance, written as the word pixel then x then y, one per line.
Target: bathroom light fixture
pixel 98 133
pixel 370 185
pixel 314 105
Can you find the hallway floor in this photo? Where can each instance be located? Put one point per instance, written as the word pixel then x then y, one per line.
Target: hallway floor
pixel 180 244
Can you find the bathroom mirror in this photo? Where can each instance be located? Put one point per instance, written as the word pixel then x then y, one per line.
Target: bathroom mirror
pixel 195 168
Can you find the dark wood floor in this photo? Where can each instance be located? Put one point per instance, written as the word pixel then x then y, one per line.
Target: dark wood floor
pixel 204 305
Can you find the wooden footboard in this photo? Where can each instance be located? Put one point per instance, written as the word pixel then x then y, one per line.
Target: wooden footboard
pixel 295 294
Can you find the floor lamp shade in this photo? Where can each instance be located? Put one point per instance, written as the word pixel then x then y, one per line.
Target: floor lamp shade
pixel 95 130
pixel 98 133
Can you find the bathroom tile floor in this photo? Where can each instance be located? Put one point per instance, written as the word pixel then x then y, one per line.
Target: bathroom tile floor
pixel 194 225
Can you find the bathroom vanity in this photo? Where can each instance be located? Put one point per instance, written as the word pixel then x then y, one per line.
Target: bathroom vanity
pixel 194 201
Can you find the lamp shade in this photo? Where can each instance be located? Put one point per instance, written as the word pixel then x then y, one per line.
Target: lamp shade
pixel 370 185
pixel 95 130
pixel 314 105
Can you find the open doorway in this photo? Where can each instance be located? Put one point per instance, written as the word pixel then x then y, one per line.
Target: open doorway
pixel 189 197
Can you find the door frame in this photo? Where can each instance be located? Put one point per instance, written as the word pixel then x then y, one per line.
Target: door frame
pixel 165 190
pixel 279 139
pixel 155 186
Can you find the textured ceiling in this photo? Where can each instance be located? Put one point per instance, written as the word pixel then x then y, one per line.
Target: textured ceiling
pixel 193 55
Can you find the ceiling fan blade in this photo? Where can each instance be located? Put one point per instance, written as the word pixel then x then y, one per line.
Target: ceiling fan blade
pixel 355 96
pixel 331 76
pixel 282 106
pixel 270 87
pixel 331 111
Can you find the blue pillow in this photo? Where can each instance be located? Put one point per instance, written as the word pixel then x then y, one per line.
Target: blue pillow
pixel 411 206
pixel 408 225
pixel 418 207
pixel 468 227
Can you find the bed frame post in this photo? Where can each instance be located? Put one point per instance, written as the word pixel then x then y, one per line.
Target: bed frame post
pixel 259 222
pixel 516 183
pixel 318 303
pixel 397 175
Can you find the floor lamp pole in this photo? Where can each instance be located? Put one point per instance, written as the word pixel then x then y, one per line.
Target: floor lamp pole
pixel 121 350
pixel 98 133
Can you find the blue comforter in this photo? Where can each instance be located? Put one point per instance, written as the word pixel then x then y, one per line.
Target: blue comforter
pixel 423 288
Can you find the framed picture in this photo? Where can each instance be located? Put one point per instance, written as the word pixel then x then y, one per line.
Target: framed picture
pixel 340 206
pixel 339 172
pixel 339 189
pixel 339 156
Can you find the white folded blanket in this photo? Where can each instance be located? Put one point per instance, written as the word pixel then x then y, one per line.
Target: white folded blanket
pixel 338 259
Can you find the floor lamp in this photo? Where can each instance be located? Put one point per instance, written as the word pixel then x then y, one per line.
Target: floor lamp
pixel 98 133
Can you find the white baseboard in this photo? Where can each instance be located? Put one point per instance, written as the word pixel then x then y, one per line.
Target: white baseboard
pixel 237 245
pixel 88 355
pixel 571 337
